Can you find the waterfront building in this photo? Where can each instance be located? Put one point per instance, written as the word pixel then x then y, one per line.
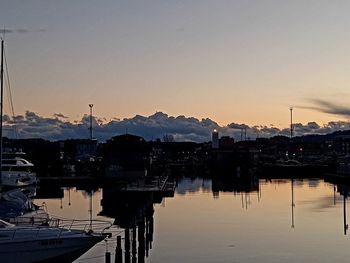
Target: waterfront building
pixel 215 139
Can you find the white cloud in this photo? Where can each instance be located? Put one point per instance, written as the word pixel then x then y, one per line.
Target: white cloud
pixel 182 128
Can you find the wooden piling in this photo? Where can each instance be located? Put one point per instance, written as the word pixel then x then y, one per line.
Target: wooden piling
pixel 134 252
pixel 127 245
pixel 108 257
pixel 119 251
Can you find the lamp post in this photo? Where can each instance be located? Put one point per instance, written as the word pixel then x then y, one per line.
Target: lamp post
pixel 91 105
pixel 291 122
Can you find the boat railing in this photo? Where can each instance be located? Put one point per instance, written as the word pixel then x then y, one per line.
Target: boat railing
pixel 29 221
pixel 95 225
pixel 43 206
pixel 55 227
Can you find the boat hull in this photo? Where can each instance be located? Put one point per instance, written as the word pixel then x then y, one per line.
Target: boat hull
pixel 47 250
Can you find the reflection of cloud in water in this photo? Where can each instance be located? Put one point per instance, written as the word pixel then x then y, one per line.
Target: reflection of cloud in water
pixel 193 185
pixel 274 181
pixel 313 183
pixel 323 203
pixel 298 182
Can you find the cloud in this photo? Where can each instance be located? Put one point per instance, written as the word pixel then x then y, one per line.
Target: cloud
pixel 21 30
pixel 328 107
pixel 181 128
pixel 5 31
pixel 60 115
pixel 238 126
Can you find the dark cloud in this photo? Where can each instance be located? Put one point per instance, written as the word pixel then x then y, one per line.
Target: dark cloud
pixel 21 30
pixel 238 126
pixel 313 125
pixel 181 128
pixel 60 115
pixel 5 31
pixel 328 107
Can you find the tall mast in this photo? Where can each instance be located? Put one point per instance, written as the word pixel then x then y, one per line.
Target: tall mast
pixel 1 102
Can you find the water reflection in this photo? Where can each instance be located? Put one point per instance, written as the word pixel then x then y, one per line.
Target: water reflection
pixel 293 203
pixel 132 211
pixel 211 220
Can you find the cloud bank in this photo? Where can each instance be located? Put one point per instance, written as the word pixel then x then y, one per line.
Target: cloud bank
pixel 181 128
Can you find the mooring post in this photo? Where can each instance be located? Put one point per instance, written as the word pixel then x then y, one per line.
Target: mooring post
pixel 134 252
pixel 108 257
pixel 127 245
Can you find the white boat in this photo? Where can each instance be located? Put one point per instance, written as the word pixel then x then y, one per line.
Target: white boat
pixel 17 171
pixel 44 244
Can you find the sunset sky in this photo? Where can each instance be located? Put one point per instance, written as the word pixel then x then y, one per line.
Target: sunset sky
pixel 230 61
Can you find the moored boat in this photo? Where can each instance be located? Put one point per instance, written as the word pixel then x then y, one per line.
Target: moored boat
pixel 27 244
pixel 17 171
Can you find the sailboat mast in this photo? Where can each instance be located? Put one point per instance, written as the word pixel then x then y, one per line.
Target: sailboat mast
pixel 1 102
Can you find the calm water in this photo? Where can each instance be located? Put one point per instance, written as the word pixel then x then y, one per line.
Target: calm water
pixel 208 221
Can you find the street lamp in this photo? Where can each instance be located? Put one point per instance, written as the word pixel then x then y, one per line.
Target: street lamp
pixel 91 105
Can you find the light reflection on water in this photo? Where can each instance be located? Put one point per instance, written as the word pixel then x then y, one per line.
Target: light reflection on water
pixel 211 221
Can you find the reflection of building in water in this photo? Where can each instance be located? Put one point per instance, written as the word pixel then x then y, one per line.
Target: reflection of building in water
pixel 235 184
pixel 49 191
pixel 133 212
pixel 243 185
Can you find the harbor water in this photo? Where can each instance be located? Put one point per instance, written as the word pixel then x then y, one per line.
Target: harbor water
pixel 280 220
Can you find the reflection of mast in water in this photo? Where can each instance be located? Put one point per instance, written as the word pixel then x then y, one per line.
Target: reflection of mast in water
pixel 134 252
pixel 293 204
pixel 127 245
pixel 344 209
pixel 343 190
pixel 90 208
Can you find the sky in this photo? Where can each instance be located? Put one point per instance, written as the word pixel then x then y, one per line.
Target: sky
pixel 241 62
